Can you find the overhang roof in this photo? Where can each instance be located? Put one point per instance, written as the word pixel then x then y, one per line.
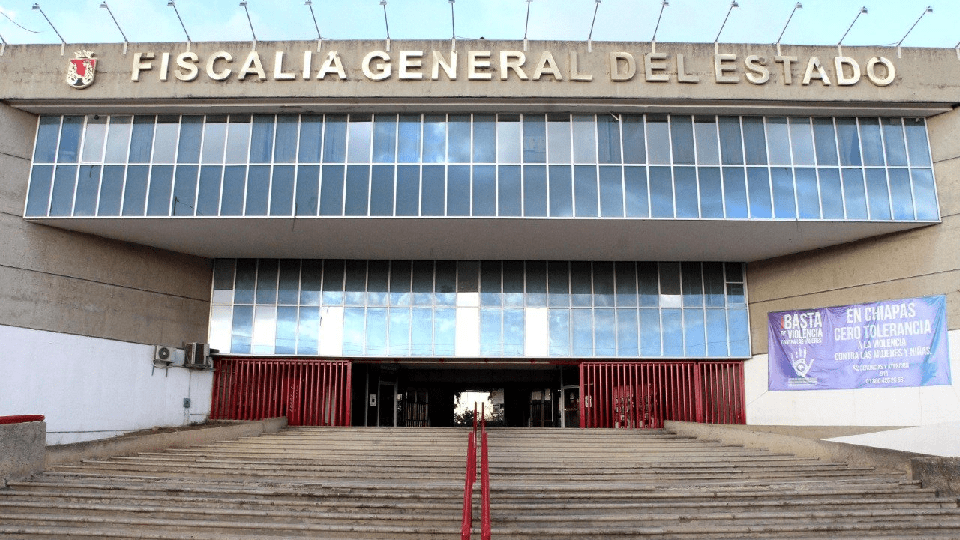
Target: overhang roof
pixel 481 238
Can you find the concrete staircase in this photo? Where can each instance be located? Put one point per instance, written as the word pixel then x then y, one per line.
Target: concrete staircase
pixel 408 483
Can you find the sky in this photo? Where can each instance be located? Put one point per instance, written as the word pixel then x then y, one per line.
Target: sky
pixel 819 22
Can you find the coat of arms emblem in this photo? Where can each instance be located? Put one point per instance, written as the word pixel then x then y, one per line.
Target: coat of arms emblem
pixel 82 69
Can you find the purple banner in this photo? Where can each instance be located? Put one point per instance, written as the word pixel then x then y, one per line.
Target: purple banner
pixel 891 344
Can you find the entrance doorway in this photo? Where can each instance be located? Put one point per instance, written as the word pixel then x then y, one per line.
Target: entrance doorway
pixel 427 395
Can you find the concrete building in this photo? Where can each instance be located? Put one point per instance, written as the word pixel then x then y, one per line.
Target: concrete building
pixel 487 216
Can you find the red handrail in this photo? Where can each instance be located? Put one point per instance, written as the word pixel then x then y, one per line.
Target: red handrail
pixel 466 525
pixel 484 482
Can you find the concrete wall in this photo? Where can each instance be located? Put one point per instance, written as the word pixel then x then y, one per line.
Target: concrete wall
pixel 93 388
pixel 34 76
pixel 21 450
pixel 79 284
pixel 902 265
pixel 79 316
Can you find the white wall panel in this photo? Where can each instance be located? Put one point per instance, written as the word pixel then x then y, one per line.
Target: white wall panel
pixel 92 388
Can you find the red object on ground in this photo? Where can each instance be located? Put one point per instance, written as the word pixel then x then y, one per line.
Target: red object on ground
pixel 21 418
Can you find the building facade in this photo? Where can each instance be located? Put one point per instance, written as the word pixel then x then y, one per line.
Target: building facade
pixel 472 215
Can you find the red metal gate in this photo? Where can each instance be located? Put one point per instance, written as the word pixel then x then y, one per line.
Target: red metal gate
pixel 644 394
pixel 307 392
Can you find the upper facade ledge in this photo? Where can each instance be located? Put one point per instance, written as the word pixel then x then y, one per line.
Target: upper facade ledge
pixel 90 77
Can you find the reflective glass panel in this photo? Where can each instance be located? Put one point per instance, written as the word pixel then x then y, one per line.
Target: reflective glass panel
pixel 258 190
pixel 608 139
pixel 894 142
pixel 635 192
pixel 685 180
pixel 70 139
pixel 584 139
pixel 48 134
pixel 534 138
pixel 381 191
pixel 658 139
pixel 825 141
pixel 735 193
pixel 408 190
pixel 311 138
pixel 408 140
pixel 708 146
pixel 611 191
pixel 871 141
pixel 93 138
pixel 214 139
pixel 561 191
pixel 509 194
pixel 585 190
pixel 634 144
pixel 778 141
pixel 165 139
pixel 285 146
pixel 238 138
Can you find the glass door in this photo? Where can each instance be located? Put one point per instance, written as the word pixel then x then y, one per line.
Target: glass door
pixel 570 410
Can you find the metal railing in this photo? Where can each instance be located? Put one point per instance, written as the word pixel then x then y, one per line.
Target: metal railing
pixel 644 394
pixel 307 392
pixel 466 527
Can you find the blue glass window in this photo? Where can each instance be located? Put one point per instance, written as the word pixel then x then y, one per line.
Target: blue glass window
pixel 358 190
pixel 188 149
pixel 634 145
pixel 658 139
pixel 135 190
pixel 484 190
pixel 311 138
pixel 533 165
pixel 238 139
pixel 161 188
pixel 261 140
pixel 611 191
pixel 534 191
pixel 381 191
pixel 408 190
pixel 735 193
pixel 64 184
pixel 69 148
pixel 635 192
pixel 681 134
pixel 184 188
pixel 831 193
pixel 48 133
pixel 141 142
pixel 711 193
pixel 307 198
pixel 331 190
pixel 408 140
pixel 509 194
pixel 285 148
pixel 534 139
pixel 561 191
pixel 88 186
pixel 585 190
pixel 281 190
pixel 234 180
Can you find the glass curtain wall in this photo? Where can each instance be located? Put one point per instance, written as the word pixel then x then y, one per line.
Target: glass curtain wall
pixel 482 309
pixel 620 166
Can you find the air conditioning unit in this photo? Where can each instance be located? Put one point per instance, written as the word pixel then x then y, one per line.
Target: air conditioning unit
pixel 197 356
pixel 165 356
